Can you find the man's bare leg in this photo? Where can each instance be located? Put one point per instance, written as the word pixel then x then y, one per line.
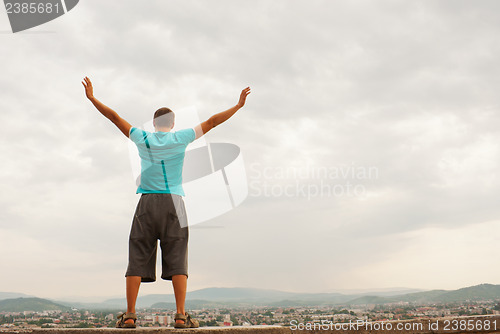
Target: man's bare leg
pixel 133 284
pixel 180 285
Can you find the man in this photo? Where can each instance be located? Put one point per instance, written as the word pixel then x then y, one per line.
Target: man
pixel 160 213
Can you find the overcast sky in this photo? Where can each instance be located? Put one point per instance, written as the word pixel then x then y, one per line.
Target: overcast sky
pixel 403 93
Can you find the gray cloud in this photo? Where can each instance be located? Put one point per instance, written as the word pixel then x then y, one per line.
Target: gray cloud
pixel 409 88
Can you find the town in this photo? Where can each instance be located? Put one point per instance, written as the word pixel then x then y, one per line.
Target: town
pixel 278 316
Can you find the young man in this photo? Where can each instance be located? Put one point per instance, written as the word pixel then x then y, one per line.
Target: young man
pixel 160 213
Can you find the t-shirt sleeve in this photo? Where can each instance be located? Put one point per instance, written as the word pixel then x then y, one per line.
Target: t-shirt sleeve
pixel 136 135
pixel 185 136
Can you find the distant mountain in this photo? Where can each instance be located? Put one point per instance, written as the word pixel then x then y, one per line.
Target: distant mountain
pixel 228 294
pixel 11 295
pixel 166 306
pixel 422 297
pixel 91 306
pixel 143 301
pixel 379 292
pixel 371 300
pixel 197 304
pixel 473 293
pixel 242 297
pixel 29 304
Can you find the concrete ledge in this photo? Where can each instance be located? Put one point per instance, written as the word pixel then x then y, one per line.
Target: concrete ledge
pixel 157 330
pixel 452 325
pixel 162 330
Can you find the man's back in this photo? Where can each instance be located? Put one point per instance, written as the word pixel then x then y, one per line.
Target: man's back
pixel 162 159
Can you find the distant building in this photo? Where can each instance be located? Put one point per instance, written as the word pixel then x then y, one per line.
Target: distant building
pixel 162 320
pixel 227 320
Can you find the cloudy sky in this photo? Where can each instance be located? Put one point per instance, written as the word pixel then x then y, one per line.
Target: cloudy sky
pixel 370 142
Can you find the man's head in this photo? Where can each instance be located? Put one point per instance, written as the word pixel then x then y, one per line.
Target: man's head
pixel 164 119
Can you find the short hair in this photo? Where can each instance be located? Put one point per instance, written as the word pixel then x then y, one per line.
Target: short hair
pixel 164 117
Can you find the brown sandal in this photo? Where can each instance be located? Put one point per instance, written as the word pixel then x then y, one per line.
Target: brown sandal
pixel 188 321
pixel 126 316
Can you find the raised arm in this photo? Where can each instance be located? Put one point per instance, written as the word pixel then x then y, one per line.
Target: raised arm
pixel 109 113
pixel 221 117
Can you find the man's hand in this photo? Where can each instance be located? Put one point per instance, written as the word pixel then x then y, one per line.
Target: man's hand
pixel 221 117
pixel 243 97
pixel 89 91
pixel 106 111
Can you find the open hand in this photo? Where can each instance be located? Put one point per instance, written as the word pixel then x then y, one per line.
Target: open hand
pixel 89 91
pixel 243 97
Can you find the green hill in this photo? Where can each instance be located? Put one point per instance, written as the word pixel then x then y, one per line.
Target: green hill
pixel 29 304
pixel 422 297
pixel 473 293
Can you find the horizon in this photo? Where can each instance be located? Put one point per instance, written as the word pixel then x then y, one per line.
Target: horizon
pixel 343 292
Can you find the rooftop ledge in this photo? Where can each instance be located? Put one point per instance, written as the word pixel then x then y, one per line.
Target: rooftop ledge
pixel 451 325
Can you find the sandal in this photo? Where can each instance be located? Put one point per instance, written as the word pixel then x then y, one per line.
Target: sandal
pixel 188 321
pixel 123 317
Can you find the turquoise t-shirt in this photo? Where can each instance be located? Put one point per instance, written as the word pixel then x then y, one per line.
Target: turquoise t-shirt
pixel 162 158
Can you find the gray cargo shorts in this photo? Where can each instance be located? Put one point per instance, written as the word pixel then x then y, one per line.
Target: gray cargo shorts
pixel 158 217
